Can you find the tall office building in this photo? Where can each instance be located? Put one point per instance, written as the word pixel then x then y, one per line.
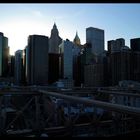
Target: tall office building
pixel 4 55
pixel 1 51
pixel 11 66
pixel 115 45
pixel 18 76
pixel 53 68
pixel 95 37
pixel 135 66
pixel 93 75
pixel 120 66
pixel 5 59
pixel 119 59
pixel 54 40
pixel 37 60
pixel 70 54
pixel 135 44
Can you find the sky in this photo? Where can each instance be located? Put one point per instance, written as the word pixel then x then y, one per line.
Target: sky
pixel 18 21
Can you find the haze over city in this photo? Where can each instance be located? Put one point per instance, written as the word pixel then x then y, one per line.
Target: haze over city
pixel 18 21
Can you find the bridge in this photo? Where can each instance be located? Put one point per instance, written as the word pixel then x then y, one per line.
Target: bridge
pixel 33 112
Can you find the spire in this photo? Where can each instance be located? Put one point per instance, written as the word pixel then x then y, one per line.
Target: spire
pixel 77 39
pixel 54 26
pixel 76 33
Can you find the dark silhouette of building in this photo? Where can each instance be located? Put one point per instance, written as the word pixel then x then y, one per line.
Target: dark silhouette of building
pixel 54 40
pixel 93 75
pixel 37 60
pixel 54 55
pixel 53 67
pixel 120 66
pixel 12 66
pixel 19 71
pixel 115 45
pixel 135 44
pixel 95 37
pixel 135 59
pixel 4 56
pixel 119 57
pixel 135 66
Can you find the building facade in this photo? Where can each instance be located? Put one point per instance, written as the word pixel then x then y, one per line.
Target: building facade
pixel 1 48
pixel 69 59
pixel 135 66
pixel 54 56
pixel 93 75
pixel 95 37
pixel 19 75
pixel 11 66
pixel 4 56
pixel 54 40
pixel 37 60
pixel 115 45
pixel 53 67
pixel 76 40
pixel 135 44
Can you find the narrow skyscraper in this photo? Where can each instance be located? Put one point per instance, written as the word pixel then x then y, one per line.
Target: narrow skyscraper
pixel 18 76
pixel 4 55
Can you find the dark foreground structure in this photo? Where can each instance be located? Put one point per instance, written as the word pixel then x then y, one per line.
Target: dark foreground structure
pixel 79 112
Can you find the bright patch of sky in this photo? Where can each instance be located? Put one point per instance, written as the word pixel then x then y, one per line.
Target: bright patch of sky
pixel 18 21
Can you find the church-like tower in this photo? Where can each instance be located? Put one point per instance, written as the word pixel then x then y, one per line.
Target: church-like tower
pixel 54 40
pixel 77 39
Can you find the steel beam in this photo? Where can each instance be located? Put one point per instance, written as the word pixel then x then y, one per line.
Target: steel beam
pixel 18 92
pixel 136 95
pixel 105 105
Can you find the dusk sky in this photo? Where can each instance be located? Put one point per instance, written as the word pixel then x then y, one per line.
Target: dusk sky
pixel 18 21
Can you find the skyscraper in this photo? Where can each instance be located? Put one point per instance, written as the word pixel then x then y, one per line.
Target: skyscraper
pixel 1 48
pixel 115 45
pixel 135 59
pixel 76 40
pixel 18 76
pixel 69 53
pixel 95 37
pixel 37 60
pixel 93 75
pixel 135 44
pixel 4 55
pixel 118 61
pixel 54 40
pixel 11 66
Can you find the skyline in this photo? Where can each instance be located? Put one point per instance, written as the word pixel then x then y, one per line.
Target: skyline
pixel 18 21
